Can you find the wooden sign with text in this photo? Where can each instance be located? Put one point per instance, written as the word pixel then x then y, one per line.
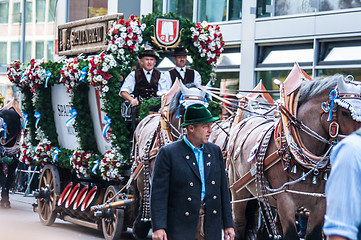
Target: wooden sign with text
pixel 85 36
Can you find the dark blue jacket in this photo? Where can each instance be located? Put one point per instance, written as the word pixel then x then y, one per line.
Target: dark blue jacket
pixel 176 192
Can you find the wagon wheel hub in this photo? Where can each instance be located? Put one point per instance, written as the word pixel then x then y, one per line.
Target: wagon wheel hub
pixel 44 194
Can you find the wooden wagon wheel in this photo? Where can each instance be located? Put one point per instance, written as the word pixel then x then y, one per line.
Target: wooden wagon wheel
pixel 113 224
pixel 49 190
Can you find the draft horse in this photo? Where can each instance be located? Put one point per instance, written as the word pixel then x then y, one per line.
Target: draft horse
pixel 288 156
pixel 152 132
pixel 10 134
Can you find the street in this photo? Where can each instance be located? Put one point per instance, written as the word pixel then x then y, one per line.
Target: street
pixel 20 222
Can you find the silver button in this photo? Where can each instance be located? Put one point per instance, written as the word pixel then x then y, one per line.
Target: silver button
pixel 191 184
pixel 187 157
pixel 214 212
pixel 209 155
pixel 213 182
pixel 194 163
pixel 189 199
pixel 186 213
pixel 214 197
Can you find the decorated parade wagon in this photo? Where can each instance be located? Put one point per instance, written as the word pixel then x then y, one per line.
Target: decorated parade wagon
pixel 72 120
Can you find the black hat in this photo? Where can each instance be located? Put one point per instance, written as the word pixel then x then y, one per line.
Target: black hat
pixel 149 53
pixel 180 51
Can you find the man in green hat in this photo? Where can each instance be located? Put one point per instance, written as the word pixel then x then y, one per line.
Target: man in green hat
pixel 189 195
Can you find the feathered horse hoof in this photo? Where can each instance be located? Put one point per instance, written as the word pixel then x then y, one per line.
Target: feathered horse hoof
pixel 5 203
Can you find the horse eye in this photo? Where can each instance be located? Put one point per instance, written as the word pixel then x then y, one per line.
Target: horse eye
pixel 345 114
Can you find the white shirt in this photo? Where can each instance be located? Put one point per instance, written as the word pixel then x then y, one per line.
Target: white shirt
pixel 129 82
pixel 166 79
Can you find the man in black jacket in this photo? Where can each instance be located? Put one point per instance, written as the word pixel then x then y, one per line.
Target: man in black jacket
pixel 189 196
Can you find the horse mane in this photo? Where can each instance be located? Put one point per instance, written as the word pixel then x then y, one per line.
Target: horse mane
pixel 174 103
pixel 319 85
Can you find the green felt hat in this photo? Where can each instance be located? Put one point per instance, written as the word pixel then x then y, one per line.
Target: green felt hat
pixel 197 113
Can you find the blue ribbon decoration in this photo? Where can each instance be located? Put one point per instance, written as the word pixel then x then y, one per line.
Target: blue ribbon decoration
pixel 95 167
pixel 55 158
pixel 333 95
pixel 25 120
pixel 48 74
pixel 73 114
pixel 70 160
pixel 106 128
pixel 5 126
pixel 180 99
pixel 83 73
pixel 37 115
pixel 22 78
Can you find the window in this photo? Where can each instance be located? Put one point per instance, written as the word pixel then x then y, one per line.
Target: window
pixel 158 6
pixel 4 11
pixel 285 55
pixel 212 10
pixel 52 10
pixel 15 51
pixel 50 50
pixel 235 9
pixel 3 53
pixel 39 49
pixel 327 5
pixel 29 11
pixel 40 10
pixel 16 13
pixel 27 51
pixel 184 8
pixel 219 10
pixel 343 52
pixel 355 72
pixel 97 8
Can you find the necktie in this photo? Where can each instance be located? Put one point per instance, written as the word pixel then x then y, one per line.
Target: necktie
pixel 182 70
pixel 148 72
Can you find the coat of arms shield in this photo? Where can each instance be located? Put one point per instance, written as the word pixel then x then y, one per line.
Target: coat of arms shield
pixel 167 31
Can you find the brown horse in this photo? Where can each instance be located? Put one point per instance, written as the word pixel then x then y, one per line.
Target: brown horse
pixel 248 141
pixel 151 133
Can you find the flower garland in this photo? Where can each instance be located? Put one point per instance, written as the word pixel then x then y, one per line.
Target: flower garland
pixel 98 75
pixel 110 165
pixel 209 41
pixel 70 74
pixel 15 72
pixel 34 75
pixel 27 151
pixel 80 161
pixel 125 39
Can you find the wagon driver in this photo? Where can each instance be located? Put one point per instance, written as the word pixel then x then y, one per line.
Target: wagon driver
pixel 143 82
pixel 189 195
pixel 187 75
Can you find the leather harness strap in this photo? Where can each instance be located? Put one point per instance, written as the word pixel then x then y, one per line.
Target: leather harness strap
pixel 271 160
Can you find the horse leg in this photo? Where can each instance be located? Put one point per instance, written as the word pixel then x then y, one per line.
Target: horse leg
pixel 286 211
pixel 239 214
pixel 315 221
pixel 9 181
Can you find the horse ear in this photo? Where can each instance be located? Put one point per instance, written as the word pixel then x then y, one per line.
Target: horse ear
pixel 182 87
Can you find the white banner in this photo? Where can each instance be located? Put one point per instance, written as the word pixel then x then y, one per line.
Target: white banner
pixel 61 106
pixel 99 123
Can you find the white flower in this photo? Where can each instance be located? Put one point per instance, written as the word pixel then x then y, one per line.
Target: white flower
pixel 98 78
pixel 105 68
pixel 203 55
pixel 192 29
pixel 129 42
pixel 143 26
pixel 196 44
pixel 116 26
pixel 104 81
pixel 105 89
pixel 113 63
pixel 113 48
pixel 123 29
pixel 123 35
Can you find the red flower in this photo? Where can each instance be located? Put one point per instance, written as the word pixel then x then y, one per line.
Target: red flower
pixel 121 21
pixel 127 23
pixel 129 30
pixel 135 38
pixel 132 17
pixel 116 31
pixel 195 37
